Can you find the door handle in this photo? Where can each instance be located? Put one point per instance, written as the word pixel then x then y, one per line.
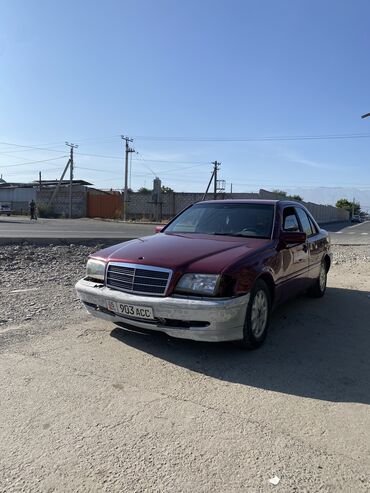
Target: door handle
pixel 305 248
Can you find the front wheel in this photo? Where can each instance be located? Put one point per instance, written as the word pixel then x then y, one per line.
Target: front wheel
pixel 319 288
pixel 257 318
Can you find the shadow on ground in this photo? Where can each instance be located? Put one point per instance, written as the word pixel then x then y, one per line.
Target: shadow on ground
pixel 316 348
pixel 12 221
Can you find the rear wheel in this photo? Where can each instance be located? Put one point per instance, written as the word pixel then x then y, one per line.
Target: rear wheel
pixel 319 288
pixel 257 318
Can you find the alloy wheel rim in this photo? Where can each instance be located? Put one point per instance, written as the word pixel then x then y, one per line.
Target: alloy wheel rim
pixel 322 278
pixel 259 313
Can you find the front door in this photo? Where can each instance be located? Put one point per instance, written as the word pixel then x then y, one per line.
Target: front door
pixel 316 247
pixel 294 261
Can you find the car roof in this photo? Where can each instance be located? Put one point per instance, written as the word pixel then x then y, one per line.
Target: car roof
pixel 251 201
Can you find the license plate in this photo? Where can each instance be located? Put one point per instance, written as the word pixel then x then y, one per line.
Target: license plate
pixel 134 311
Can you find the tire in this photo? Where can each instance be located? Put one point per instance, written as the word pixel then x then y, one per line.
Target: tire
pixel 257 319
pixel 319 288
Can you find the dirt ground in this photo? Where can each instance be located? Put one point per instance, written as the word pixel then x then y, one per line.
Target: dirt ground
pixel 86 406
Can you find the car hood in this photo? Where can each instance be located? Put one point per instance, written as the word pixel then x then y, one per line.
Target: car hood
pixel 183 252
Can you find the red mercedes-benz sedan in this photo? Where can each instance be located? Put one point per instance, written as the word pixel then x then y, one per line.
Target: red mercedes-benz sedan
pixel 213 273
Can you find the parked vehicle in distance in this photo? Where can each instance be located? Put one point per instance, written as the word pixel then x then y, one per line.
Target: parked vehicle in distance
pixel 356 219
pixel 5 208
pixel 213 273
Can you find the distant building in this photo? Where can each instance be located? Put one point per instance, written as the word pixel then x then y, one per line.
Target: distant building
pixel 20 195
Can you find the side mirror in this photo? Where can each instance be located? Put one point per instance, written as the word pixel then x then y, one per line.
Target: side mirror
pixel 292 237
pixel 158 229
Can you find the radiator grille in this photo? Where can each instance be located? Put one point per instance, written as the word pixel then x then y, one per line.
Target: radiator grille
pixel 139 279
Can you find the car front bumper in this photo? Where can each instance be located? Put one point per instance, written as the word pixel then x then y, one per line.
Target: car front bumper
pixel 205 319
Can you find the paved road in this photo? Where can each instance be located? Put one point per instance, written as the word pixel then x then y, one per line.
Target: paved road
pixel 349 234
pixel 15 228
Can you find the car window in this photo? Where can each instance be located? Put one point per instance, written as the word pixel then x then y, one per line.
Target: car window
pixel 290 221
pixel 313 226
pixel 188 223
pixel 305 222
pixel 231 219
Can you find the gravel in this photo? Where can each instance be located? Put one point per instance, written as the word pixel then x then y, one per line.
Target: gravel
pixel 38 281
pixel 350 255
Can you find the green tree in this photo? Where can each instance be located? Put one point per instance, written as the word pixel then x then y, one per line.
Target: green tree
pixel 295 197
pixel 284 194
pixel 349 206
pixel 144 190
pixel 279 192
pixel 166 189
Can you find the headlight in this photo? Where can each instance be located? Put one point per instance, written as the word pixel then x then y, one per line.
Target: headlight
pixel 95 269
pixel 205 284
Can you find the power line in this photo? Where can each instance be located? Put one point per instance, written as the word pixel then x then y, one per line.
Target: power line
pixel 145 165
pixel 255 139
pixel 107 172
pixel 31 147
pixel 205 139
pixel 92 139
pixel 276 183
pixel 203 163
pixel 166 171
pixel 33 172
pixel 16 157
pixel 32 162
pixel 162 173
pixel 164 161
pixel 99 170
pixel 105 156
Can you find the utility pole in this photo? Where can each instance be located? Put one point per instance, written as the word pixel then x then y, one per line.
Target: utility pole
pixel 71 146
pixel 209 184
pixel 59 183
pixel 216 167
pixel 128 149
pixel 353 206
pixel 231 188
pixel 40 181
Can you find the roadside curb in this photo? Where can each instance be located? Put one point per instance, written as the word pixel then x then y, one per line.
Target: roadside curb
pixel 62 241
pixel 135 223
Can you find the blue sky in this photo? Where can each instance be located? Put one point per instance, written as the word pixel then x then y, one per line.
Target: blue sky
pixel 88 71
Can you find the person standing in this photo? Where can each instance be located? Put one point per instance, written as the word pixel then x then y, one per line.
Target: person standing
pixel 33 210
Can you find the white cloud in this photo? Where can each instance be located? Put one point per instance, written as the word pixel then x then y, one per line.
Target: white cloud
pixel 294 157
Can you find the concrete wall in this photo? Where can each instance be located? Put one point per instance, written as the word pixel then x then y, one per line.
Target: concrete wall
pixel 322 213
pixel 141 206
pixel 61 201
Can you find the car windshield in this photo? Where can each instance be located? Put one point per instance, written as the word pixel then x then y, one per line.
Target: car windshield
pixel 241 219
